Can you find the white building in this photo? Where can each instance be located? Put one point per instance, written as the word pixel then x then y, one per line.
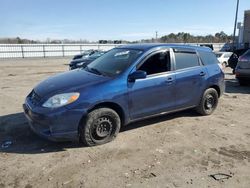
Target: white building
pixel 240 27
pixel 246 32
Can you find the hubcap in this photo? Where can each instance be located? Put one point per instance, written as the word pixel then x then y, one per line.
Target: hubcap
pixel 103 127
pixel 209 103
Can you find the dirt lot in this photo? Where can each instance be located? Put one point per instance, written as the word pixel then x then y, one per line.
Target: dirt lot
pixel 176 150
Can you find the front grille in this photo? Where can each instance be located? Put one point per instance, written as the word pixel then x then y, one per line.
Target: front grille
pixel 34 98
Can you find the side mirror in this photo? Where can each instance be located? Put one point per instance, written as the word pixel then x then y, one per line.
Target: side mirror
pixel 137 75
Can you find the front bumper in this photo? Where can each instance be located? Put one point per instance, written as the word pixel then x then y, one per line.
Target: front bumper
pixel 59 125
pixel 72 67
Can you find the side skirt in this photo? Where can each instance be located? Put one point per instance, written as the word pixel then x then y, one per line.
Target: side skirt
pixel 159 114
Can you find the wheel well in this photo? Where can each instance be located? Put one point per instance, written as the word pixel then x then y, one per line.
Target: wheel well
pixel 117 108
pixel 217 88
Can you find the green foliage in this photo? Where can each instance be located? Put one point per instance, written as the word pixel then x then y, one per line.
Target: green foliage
pixel 182 37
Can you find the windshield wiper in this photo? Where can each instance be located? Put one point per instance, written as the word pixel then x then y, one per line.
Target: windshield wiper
pixel 96 71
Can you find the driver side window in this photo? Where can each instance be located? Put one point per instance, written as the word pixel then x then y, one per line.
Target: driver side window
pixel 157 63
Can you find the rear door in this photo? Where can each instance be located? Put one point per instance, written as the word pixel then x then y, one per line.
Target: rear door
pixel 190 78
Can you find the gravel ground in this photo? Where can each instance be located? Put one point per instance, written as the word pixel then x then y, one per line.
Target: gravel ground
pixel 176 150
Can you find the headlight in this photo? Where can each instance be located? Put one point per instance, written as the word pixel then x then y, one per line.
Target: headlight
pixel 61 100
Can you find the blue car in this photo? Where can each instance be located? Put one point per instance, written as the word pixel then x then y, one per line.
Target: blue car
pixel 126 84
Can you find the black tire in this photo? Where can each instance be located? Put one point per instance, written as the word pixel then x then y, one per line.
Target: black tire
pixel 101 126
pixel 224 65
pixel 208 103
pixel 242 82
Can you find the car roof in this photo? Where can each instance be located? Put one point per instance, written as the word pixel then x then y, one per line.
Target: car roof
pixel 148 46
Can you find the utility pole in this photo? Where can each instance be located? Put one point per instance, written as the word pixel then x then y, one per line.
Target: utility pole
pixel 235 23
pixel 156 36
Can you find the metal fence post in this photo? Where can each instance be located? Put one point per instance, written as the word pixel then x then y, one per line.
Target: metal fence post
pixel 22 51
pixel 43 51
pixel 63 50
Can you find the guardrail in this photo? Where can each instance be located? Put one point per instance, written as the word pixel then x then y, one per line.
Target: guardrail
pixel 62 50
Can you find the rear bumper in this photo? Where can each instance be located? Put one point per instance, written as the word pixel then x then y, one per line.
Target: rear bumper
pixel 61 125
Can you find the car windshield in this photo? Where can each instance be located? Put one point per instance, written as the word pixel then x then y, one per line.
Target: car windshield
pixel 114 62
pixel 87 52
pixel 218 55
pixel 97 54
pixel 246 55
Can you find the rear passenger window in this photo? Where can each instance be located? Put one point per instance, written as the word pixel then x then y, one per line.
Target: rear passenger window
pixel 208 58
pixel 185 60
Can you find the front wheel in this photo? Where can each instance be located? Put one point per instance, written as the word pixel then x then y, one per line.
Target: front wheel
pixel 101 126
pixel 208 103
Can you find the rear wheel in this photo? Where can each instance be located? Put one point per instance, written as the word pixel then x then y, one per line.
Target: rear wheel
pixel 101 126
pixel 208 102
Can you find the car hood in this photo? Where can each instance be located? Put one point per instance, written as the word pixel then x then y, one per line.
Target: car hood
pixel 67 82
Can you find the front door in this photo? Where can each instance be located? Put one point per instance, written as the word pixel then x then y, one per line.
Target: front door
pixel 155 93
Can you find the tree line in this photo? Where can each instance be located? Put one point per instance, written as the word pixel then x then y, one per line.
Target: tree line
pixel 181 37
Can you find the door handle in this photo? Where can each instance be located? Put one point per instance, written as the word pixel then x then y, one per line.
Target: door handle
pixel 202 73
pixel 169 80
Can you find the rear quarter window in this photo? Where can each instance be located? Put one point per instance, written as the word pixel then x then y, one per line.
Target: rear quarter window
pixel 186 60
pixel 208 58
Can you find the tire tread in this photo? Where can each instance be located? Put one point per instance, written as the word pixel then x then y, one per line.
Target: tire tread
pixel 84 129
